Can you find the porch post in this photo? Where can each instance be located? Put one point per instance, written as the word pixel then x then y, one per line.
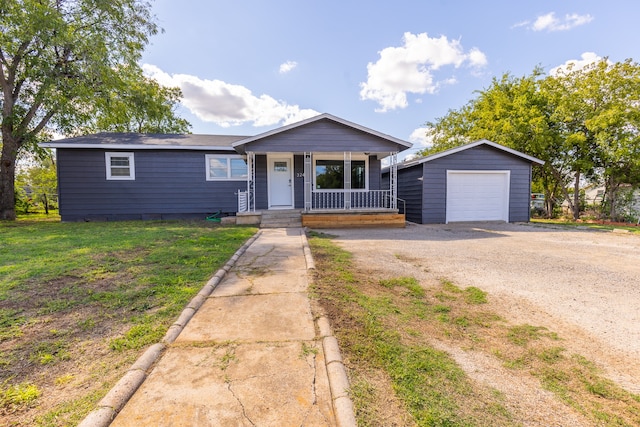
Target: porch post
pixel 308 205
pixel 393 181
pixel 347 180
pixel 251 178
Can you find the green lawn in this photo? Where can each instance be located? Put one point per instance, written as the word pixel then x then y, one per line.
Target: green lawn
pixel 80 301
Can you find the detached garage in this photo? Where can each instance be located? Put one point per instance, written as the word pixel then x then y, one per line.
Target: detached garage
pixel 481 181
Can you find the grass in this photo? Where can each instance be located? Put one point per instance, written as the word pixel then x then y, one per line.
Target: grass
pixel 80 301
pixel 632 228
pixel 387 327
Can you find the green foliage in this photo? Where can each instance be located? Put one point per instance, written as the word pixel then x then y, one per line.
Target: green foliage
pixel 138 336
pixel 410 283
pixel 62 61
pixel 138 104
pixel 11 321
pixel 523 334
pixel 584 123
pixel 15 397
pixel 475 295
pixel 49 352
pixel 37 185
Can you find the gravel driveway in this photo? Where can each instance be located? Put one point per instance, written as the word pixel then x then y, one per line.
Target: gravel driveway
pixel 584 285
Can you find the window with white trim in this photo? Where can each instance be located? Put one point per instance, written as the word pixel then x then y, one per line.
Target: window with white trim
pixel 225 167
pixel 329 173
pixel 120 166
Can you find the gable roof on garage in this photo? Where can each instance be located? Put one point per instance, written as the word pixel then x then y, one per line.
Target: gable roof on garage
pixel 467 147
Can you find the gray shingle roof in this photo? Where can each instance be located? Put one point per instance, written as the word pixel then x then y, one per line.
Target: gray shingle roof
pixel 148 141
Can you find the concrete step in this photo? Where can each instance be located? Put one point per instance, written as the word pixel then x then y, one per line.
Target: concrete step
pixel 281 219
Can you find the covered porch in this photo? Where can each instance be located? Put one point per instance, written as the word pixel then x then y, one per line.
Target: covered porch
pixel 328 189
pixel 326 167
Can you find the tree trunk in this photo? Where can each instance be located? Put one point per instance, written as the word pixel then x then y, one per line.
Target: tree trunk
pixel 576 197
pixel 7 177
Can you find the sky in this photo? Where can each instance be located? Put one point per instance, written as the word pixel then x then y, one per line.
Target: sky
pixel 249 66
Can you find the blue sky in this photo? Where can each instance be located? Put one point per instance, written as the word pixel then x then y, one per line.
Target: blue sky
pixel 248 66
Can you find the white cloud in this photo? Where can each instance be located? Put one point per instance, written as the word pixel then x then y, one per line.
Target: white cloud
pixel 287 66
pixel 550 22
pixel 410 69
pixel 227 104
pixel 420 138
pixel 576 64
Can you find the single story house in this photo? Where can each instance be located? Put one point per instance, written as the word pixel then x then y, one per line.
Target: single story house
pixel 320 166
pixel 480 181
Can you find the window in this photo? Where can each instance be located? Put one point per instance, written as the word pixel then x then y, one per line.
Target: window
pixel 120 166
pixel 227 168
pixel 329 174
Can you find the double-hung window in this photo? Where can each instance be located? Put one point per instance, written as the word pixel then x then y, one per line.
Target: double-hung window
pixel 120 166
pixel 225 168
pixel 330 173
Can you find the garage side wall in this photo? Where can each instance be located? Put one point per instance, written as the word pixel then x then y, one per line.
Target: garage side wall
pixel 409 190
pixel 477 158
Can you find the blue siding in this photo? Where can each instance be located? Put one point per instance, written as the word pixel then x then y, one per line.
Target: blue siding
pixel 375 176
pixel 410 190
pixel 322 136
pixel 261 193
pixel 478 158
pixel 168 184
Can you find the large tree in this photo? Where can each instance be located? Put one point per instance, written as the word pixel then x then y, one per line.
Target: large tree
pixel 514 112
pixel 584 123
pixel 136 104
pixel 59 61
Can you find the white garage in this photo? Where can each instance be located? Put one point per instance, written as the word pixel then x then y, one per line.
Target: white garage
pixel 477 195
pixel 479 181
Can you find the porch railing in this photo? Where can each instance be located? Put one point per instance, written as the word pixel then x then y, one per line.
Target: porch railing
pixel 336 199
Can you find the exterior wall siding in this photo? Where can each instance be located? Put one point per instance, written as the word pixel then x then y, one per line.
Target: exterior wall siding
pixel 477 158
pixel 321 136
pixel 410 190
pixel 261 191
pixel 168 184
pixel 375 176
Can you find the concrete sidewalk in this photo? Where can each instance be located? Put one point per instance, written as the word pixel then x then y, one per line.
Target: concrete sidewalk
pixel 252 354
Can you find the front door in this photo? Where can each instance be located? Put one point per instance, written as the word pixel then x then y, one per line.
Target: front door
pixel 280 182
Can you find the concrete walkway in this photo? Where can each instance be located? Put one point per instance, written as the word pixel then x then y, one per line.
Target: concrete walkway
pixel 251 355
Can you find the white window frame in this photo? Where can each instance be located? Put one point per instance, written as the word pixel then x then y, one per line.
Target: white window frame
pixel 228 158
pixel 132 168
pixel 340 156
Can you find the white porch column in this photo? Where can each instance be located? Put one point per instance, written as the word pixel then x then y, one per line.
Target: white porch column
pixel 347 180
pixel 393 180
pixel 308 182
pixel 251 179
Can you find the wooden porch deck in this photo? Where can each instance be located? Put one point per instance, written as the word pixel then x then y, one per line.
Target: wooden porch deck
pixel 323 219
pixel 353 219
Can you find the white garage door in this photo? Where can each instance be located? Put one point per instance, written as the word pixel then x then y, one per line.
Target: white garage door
pixel 478 196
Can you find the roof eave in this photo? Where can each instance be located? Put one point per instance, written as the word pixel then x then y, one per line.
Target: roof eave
pixel 472 145
pixel 125 147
